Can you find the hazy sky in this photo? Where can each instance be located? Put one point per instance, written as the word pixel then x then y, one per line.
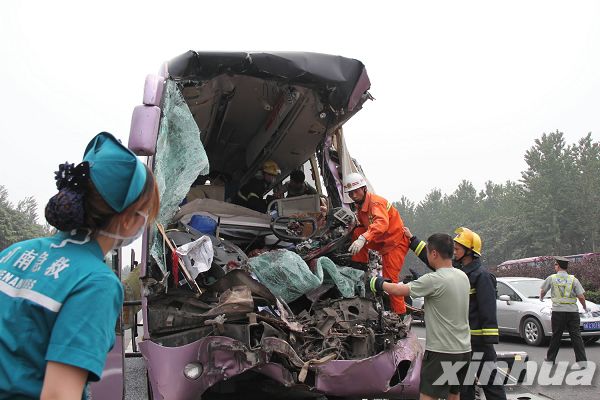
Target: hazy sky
pixel 462 88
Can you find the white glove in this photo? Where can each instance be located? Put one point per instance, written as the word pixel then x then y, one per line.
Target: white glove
pixel 357 245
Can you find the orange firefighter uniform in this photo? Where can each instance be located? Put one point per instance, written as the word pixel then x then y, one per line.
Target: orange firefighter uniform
pixel 382 227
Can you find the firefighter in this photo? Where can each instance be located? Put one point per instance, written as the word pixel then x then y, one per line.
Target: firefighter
pixel 381 229
pixel 566 290
pixel 250 195
pixel 482 306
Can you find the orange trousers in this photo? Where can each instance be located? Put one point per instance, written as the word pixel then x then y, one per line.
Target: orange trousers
pixel 392 266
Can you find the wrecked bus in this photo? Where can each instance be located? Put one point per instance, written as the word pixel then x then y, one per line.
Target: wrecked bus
pixel 265 304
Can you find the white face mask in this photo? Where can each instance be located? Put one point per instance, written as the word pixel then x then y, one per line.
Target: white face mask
pixel 122 241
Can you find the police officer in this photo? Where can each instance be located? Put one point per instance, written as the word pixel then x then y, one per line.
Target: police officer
pixel 59 302
pixel 482 307
pixel 565 290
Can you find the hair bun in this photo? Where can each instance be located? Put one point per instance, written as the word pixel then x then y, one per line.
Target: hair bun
pixel 65 210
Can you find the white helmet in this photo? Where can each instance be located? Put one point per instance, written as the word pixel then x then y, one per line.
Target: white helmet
pixel 353 181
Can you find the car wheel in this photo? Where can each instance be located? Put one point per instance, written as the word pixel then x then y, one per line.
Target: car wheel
pixel 533 333
pixel 591 339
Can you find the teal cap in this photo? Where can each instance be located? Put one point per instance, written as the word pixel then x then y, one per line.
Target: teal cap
pixel 115 170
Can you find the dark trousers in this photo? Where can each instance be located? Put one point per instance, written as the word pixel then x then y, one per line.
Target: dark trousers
pixel 492 392
pixel 570 321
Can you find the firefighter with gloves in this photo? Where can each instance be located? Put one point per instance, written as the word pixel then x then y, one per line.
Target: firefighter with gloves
pixel 381 229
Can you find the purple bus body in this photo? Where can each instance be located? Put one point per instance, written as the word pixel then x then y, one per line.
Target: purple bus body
pixel 391 373
pixel 153 89
pixel 144 130
pixel 224 358
pixel 111 385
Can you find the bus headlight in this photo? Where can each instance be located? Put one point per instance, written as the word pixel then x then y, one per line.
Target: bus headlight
pixel 192 370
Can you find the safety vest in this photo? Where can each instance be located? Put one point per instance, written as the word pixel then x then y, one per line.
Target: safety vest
pixel 562 289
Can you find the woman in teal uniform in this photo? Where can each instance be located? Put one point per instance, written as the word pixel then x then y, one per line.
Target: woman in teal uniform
pixel 59 302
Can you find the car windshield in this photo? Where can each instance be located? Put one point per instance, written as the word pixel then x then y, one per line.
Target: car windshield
pixel 529 288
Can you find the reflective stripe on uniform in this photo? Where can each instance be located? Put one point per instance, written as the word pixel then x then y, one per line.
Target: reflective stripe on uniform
pixel 420 248
pixel 239 193
pixel 246 198
pixel 388 206
pixel 35 297
pixel 472 291
pixel 485 332
pixel 562 289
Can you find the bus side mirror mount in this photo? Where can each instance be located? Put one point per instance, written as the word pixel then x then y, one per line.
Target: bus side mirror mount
pixel 145 120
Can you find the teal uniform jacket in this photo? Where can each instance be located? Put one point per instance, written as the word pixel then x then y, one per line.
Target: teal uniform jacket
pixel 57 304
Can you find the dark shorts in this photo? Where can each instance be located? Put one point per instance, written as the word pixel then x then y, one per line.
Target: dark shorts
pixel 431 371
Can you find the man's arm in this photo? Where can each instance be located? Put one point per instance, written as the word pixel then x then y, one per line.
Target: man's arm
pixel 419 288
pixel 280 190
pixel 579 293
pixel 396 289
pixel 418 246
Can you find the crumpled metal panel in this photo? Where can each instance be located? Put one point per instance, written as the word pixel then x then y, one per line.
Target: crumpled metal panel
pixel 334 77
pixel 223 358
pixel 372 376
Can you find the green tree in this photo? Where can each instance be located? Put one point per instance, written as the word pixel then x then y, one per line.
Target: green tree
pixel 463 207
pixel 406 208
pixel 431 215
pixel 502 227
pixel 548 188
pixel 20 222
pixel 552 210
pixel 586 196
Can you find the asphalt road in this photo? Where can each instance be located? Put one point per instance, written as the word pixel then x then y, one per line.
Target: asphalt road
pixel 135 381
pixel 537 354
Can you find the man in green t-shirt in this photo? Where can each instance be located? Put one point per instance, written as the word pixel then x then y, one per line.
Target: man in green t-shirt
pixel 446 293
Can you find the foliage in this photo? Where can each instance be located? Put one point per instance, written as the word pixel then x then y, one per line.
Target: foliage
pixel 586 270
pixel 593 296
pixel 20 222
pixel 552 210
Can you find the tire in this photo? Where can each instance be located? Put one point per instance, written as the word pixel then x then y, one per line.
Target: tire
pixel 532 332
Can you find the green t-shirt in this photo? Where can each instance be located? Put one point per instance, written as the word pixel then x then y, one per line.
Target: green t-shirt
pixel 446 293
